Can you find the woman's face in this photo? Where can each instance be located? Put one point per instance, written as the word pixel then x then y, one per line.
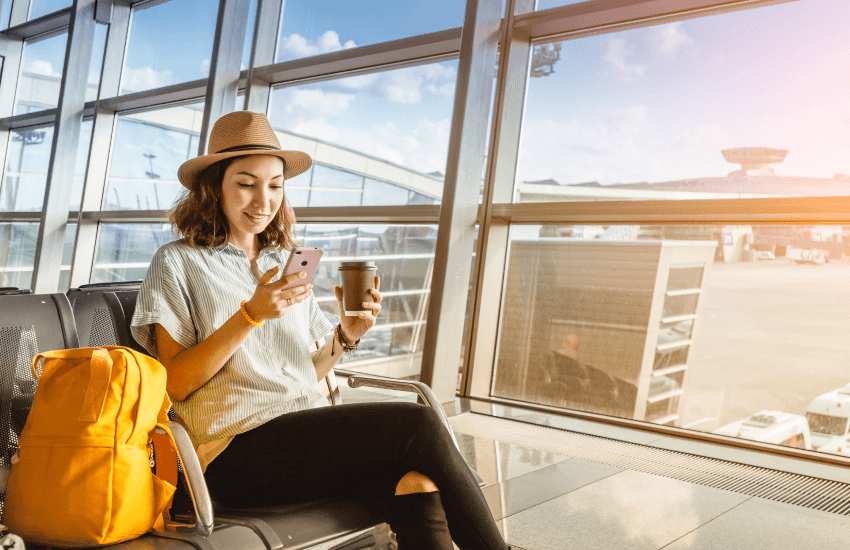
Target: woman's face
pixel 251 194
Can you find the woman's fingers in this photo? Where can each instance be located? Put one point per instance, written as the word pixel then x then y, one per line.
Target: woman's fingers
pixel 268 275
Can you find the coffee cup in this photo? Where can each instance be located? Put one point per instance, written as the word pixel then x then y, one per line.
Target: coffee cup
pixel 356 279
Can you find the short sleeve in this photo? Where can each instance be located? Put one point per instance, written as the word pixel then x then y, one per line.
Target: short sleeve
pixel 319 324
pixel 163 299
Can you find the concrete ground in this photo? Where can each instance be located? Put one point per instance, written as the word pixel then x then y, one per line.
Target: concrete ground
pixel 774 336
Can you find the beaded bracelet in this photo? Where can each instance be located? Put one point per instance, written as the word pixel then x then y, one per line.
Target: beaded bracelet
pixel 248 317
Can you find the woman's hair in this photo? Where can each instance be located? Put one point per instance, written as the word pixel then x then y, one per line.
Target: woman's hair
pixel 199 219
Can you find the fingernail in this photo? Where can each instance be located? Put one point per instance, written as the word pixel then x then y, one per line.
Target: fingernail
pixel 364 304
pixel 302 274
pixel 309 287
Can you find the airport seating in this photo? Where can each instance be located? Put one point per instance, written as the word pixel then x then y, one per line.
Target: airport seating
pixel 301 525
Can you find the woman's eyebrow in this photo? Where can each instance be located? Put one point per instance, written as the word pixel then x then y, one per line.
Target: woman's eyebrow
pixel 255 177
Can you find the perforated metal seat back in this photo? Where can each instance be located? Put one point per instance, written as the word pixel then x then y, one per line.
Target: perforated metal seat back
pixel 29 324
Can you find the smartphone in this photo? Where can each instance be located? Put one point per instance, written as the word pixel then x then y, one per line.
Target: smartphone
pixel 302 258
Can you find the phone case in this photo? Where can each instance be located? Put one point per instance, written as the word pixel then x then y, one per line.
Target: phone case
pixel 303 258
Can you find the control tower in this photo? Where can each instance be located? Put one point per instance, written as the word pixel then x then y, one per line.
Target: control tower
pixel 754 160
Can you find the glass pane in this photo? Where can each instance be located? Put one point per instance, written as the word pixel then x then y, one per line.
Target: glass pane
pixel 404 255
pixel 546 4
pixel 17 253
pixel 392 127
pixel 590 323
pixel 5 14
pixel 43 7
pixel 313 27
pixel 690 110
pixel 159 30
pixel 148 149
pixel 41 71
pixel 25 178
pixel 124 250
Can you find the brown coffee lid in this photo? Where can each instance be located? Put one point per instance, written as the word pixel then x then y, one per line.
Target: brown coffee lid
pixel 363 265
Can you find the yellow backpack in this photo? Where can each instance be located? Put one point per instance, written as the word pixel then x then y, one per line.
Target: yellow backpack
pixel 82 475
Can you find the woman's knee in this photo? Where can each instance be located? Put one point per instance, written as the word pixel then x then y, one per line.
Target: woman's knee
pixel 414 482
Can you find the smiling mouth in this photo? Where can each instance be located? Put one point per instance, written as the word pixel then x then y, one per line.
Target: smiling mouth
pixel 253 217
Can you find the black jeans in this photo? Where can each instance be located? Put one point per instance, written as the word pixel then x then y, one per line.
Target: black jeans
pixel 353 450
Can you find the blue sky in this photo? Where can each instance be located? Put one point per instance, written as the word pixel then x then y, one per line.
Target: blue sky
pixel 660 103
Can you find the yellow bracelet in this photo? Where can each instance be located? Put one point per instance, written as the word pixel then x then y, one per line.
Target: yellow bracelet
pixel 248 317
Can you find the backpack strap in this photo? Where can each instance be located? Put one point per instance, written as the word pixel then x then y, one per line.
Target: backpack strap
pixel 100 374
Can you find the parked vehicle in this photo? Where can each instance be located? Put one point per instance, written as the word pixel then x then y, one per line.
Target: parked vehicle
pixel 781 428
pixel 829 416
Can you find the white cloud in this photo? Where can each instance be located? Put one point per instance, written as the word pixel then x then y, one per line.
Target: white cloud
pixel 39 66
pixel 617 56
pixel 205 67
pixel 145 78
pixel 405 86
pixel 668 40
pixel 296 46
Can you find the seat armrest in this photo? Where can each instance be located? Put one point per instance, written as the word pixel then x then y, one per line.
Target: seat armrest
pixel 421 389
pixel 194 476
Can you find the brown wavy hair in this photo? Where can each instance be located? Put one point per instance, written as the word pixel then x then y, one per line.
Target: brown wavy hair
pixel 199 219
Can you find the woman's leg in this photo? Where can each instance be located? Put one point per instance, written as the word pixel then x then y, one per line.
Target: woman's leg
pixel 346 449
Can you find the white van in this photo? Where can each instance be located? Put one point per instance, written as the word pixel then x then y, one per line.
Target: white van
pixel 778 427
pixel 837 446
pixel 828 416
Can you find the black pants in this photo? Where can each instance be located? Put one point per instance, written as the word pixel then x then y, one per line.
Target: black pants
pixel 353 450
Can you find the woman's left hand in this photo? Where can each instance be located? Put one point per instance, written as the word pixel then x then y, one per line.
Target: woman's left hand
pixel 353 328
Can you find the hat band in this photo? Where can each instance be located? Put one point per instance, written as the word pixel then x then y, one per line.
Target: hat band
pixel 249 148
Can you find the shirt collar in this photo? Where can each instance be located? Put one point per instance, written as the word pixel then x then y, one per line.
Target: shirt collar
pixel 231 248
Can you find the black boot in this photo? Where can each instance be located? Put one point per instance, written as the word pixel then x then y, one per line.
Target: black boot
pixel 419 522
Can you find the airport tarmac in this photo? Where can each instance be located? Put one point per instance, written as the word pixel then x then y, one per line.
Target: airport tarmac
pixel 774 335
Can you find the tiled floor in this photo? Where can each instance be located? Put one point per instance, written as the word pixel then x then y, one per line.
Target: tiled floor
pixel 544 501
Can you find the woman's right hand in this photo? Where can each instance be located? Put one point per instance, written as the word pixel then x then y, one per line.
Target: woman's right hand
pixel 272 300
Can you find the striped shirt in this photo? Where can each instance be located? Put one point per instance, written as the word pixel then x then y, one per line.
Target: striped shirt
pixel 191 293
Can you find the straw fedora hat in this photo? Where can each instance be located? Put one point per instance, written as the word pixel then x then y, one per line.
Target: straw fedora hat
pixel 238 134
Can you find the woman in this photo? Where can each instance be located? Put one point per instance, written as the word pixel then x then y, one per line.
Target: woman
pixel 235 345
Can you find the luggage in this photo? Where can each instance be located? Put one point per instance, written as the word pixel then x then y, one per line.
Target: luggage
pixel 83 471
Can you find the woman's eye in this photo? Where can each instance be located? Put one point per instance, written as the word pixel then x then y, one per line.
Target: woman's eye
pixel 245 184
pixel 277 187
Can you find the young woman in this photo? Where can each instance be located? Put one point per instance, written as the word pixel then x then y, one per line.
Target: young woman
pixel 235 344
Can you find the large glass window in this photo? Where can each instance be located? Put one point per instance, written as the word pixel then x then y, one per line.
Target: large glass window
pixel 41 71
pixel 696 109
pixel 25 178
pixel 124 250
pixel 376 139
pixel 158 31
pixel 701 327
pixel 148 149
pixel 316 27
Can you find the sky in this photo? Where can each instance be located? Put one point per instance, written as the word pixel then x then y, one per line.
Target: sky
pixel 651 104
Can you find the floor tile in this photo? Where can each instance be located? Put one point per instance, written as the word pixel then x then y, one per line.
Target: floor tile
pixel 754 458
pixel 497 461
pixel 521 493
pixel 760 524
pixel 628 510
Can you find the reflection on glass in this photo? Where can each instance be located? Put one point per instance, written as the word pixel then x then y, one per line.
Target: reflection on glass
pixel 313 28
pixel 391 127
pixel 25 178
pixel 5 15
pixel 157 31
pixel 17 254
pixel 44 7
pixel 668 326
pixel 148 149
pixel 689 110
pixel 546 4
pixel 124 250
pixel 41 71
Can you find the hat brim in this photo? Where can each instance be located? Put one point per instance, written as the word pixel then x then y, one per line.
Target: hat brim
pixel 295 162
